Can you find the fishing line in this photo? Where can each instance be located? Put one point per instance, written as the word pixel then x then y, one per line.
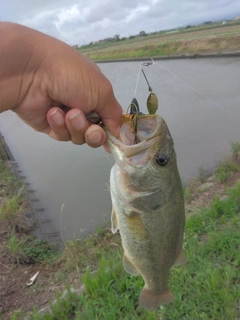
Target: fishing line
pixel 138 76
pixel 145 64
pixel 152 62
pixel 194 89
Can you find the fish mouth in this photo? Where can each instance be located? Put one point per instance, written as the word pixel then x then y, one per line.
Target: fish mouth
pixel 149 129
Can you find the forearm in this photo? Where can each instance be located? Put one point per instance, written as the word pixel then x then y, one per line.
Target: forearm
pixel 29 58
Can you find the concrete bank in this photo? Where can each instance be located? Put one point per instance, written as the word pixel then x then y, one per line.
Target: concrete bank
pixel 35 214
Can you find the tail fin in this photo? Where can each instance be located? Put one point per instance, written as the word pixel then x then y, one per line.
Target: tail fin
pixel 151 301
pixel 181 259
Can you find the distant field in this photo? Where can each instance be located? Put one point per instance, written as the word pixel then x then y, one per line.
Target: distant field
pixel 216 39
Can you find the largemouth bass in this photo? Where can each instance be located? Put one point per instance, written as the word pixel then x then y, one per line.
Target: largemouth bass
pixel 148 205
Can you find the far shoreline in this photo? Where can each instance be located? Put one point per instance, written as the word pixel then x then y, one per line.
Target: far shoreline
pixel 234 54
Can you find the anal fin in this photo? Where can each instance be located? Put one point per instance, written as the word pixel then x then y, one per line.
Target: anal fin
pixel 151 301
pixel 129 267
pixel 114 221
pixel 181 259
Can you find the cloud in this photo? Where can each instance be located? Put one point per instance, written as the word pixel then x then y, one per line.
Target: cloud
pixel 79 22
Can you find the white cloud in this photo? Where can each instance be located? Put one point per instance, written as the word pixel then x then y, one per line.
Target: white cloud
pixel 79 22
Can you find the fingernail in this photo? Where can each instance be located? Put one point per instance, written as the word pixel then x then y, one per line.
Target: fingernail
pixel 95 137
pixel 57 117
pixel 77 121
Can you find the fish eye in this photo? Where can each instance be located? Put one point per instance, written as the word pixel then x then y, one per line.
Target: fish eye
pixel 162 160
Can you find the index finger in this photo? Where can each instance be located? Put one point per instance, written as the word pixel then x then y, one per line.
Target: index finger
pixel 111 115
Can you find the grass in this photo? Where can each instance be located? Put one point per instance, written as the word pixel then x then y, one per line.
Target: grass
pixel 14 248
pixel 207 287
pixel 223 173
pixel 79 254
pixel 226 169
pixel 11 211
pixel 20 247
pixel 24 249
pixel 235 147
pixel 12 200
pixel 39 251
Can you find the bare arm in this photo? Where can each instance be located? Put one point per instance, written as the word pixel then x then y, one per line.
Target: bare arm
pixel 52 87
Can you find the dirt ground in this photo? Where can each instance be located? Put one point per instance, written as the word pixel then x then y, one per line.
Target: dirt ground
pixel 16 295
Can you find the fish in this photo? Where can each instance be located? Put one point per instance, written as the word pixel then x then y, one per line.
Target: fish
pixel 147 204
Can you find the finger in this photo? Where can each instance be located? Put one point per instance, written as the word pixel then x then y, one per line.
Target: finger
pixel 77 124
pixel 95 136
pixel 110 111
pixel 56 121
pixel 111 117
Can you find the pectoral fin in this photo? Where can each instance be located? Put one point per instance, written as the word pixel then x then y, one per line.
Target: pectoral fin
pixel 129 267
pixel 114 221
pixel 136 226
pixel 181 259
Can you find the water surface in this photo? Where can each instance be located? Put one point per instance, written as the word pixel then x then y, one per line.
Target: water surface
pixel 203 114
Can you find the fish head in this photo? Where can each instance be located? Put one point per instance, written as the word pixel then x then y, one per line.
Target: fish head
pixel 142 164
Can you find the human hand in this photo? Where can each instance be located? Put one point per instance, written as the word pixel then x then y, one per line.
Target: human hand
pixel 56 87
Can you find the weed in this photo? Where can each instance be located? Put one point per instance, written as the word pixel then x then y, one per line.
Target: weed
pixel 39 251
pixel 191 190
pixel 24 249
pixel 14 248
pixel 202 174
pixel 235 147
pixel 11 211
pixel 225 170
pixel 13 203
pixel 187 194
pixel 80 253
pixel 9 183
pixel 16 315
pixel 72 255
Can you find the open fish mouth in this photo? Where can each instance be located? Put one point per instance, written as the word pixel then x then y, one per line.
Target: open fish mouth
pixel 149 128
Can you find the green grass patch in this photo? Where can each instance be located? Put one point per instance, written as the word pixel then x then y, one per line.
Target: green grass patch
pixel 13 203
pixel 23 249
pixel 235 147
pixel 39 251
pixel 225 170
pixel 12 206
pixel 18 245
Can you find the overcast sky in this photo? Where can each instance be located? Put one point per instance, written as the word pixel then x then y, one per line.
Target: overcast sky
pixel 83 21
